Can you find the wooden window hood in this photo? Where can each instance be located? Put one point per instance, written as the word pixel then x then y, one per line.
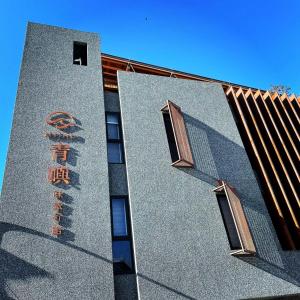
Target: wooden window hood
pixel 246 246
pixel 181 154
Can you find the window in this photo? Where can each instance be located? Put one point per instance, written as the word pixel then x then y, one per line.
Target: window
pixel 180 150
pixel 80 53
pixel 114 138
pixel 228 220
pixel 238 232
pixel 171 138
pixel 121 236
pixel 119 217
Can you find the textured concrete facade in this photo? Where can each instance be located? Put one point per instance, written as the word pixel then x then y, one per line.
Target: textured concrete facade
pixel 181 246
pixel 35 265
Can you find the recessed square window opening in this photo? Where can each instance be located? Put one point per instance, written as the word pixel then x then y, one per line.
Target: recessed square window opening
pixel 80 53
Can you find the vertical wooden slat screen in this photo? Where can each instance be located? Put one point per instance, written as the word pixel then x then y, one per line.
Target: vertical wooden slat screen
pixel 240 221
pixel 259 98
pixel 180 134
pixel 269 124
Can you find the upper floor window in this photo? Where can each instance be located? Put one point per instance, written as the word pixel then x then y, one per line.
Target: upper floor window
pixel 179 145
pixel 121 236
pixel 239 235
pixel 113 126
pixel 80 53
pixel 114 138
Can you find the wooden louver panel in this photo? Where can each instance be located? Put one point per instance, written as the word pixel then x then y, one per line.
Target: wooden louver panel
pixel 267 125
pixel 180 134
pixel 240 221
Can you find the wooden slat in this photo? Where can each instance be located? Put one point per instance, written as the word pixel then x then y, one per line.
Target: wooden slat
pixel 257 96
pixel 240 221
pixel 247 95
pixel 181 138
pixel 291 141
pixel 280 216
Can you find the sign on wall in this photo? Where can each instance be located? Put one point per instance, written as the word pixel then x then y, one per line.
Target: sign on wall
pixel 59 176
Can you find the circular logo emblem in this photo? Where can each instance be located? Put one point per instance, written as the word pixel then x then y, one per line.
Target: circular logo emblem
pixel 60 120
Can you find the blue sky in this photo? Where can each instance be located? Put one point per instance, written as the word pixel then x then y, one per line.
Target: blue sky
pixel 254 43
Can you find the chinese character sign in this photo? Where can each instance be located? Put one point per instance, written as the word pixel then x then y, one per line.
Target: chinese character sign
pixel 59 174
pixel 60 152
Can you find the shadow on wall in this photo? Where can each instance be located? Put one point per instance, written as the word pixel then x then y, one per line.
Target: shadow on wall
pixel 12 267
pixel 217 157
pixel 15 268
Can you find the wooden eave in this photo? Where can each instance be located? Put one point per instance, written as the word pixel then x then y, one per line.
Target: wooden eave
pixel 111 64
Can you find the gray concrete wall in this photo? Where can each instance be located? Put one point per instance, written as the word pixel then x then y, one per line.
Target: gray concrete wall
pixel 35 265
pixel 181 246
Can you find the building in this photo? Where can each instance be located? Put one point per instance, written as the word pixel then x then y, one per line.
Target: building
pixel 129 181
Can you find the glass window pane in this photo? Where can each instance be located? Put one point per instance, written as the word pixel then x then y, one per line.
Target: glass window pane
pixel 112 119
pixel 115 153
pixel 119 217
pixel 122 256
pixel 113 131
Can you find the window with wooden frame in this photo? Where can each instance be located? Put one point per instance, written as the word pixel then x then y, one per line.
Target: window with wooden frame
pixel 121 236
pixel 180 149
pixel 114 138
pixel 236 225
